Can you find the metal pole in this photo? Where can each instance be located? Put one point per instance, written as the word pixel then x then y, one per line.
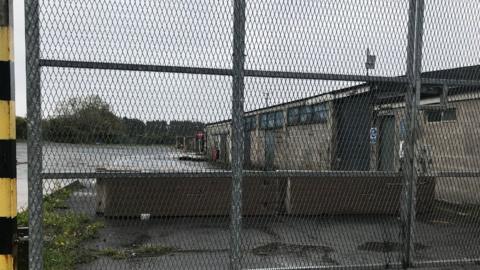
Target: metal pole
pixel 8 170
pixel 412 98
pixel 414 136
pixel 35 194
pixel 408 164
pixel 237 131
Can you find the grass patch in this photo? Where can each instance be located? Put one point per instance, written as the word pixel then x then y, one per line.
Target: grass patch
pixel 22 219
pixel 64 231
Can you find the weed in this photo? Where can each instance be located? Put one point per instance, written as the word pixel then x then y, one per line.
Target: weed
pixel 64 231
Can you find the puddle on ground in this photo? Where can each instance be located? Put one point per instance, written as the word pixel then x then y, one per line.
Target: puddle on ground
pixel 277 248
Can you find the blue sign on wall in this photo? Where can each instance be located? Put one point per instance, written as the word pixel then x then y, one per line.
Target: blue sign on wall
pixel 373 135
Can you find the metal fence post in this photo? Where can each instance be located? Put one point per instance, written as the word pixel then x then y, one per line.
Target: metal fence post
pixel 237 131
pixel 412 99
pixel 34 112
pixel 408 164
pixel 8 170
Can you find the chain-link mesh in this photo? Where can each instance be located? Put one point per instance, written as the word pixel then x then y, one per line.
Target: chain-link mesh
pixel 448 134
pixel 252 134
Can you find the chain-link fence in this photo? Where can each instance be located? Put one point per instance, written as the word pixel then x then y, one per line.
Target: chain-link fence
pixel 252 134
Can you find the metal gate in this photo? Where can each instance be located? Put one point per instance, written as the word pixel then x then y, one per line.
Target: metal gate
pixel 112 85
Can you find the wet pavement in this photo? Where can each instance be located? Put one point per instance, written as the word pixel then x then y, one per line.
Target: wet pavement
pixel 274 241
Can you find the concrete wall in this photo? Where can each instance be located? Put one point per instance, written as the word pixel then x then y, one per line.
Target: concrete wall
pixel 309 147
pixel 163 197
pixel 454 145
pixel 445 146
pixel 301 147
pixel 442 146
pixel 353 195
pixel 257 148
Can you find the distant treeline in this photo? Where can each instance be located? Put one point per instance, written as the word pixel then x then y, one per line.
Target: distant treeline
pixel 89 120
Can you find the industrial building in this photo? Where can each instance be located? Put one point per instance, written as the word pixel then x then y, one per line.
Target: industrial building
pixel 361 128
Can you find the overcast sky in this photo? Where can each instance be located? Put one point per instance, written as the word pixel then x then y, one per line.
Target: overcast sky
pixel 303 35
pixel 19 51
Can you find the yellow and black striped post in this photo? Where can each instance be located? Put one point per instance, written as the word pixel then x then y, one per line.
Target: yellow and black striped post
pixel 8 183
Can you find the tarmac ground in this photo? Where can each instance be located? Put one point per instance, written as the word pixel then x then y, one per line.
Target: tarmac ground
pixel 282 241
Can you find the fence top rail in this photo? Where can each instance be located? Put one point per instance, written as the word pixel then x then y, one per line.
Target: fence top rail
pixel 218 71
pixel 249 73
pixel 226 173
pixel 217 174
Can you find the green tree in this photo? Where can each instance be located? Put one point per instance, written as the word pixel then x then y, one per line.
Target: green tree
pixel 156 132
pixel 21 126
pixel 185 128
pixel 90 120
pixel 135 130
pixel 85 120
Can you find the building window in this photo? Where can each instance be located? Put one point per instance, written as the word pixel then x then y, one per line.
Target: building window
pixel 319 113
pixel 449 115
pixel 305 114
pixel 250 123
pixel 272 120
pixel 278 119
pixel 263 121
pixel 293 116
pixel 434 116
pixel 441 116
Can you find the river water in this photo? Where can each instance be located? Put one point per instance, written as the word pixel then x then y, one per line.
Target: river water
pixel 59 158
